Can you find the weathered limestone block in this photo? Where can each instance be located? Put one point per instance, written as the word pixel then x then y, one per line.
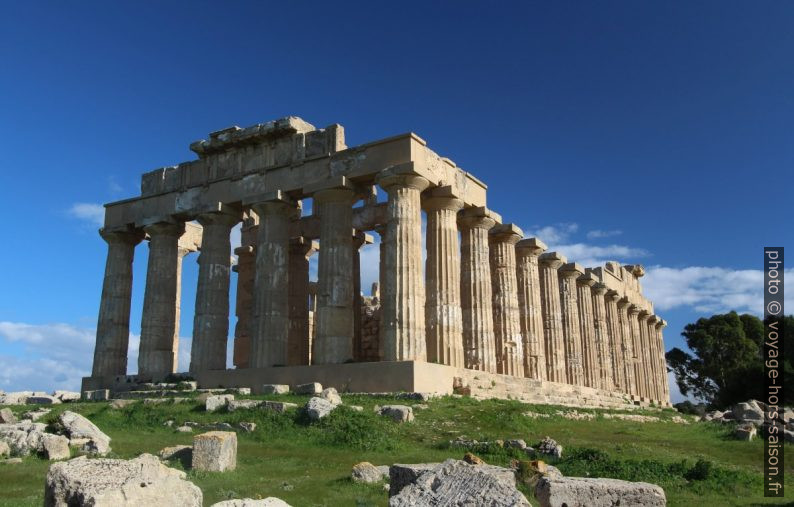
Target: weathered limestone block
pixel 115 482
pixel 479 343
pixel 23 437
pixel 5 449
pixel 457 483
pixel 54 447
pixel 549 447
pixel 217 401
pixel 587 492
pixel 507 327
pixel 277 406
pixel 78 427
pixel 180 452
pixel 443 312
pixel 233 405
pixel 67 396
pixel 529 306
pixel 35 415
pixel 275 389
pixel 549 263
pixel 331 395
pixel 403 291
pixel 310 388
pixel 247 427
pixel 7 416
pixel 96 395
pixel 270 501
pixel 368 473
pixel 317 408
pixel 398 413
pixel 215 451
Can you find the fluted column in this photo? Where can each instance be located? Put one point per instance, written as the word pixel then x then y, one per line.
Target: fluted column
pixel 584 298
pixel 158 319
pixel 360 238
pixel 644 355
pixel 636 347
pixel 244 302
pixel 298 342
pixel 603 344
pixel 211 318
pixel 382 231
pixel 403 293
pixel 574 370
pixel 656 370
pixel 507 327
pixel 627 342
pixel 113 324
pixel 665 384
pixel 270 320
pixel 549 263
pixel 530 311
pixel 479 345
pixel 615 327
pixel 443 312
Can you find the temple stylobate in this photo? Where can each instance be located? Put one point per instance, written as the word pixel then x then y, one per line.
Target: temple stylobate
pixel 489 313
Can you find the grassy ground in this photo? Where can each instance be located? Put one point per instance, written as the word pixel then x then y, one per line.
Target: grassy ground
pixel 309 464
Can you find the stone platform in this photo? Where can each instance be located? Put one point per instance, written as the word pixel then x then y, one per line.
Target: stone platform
pixel 395 376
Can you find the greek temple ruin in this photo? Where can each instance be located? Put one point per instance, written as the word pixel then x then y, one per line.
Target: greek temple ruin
pixel 489 312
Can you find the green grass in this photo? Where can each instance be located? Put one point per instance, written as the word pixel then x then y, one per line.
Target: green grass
pixel 309 464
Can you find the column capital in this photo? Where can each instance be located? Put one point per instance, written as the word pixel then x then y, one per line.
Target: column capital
pixel 361 238
pixel 571 270
pixel 338 188
pixel 613 295
pixel 403 175
pixel 643 315
pixel 587 279
pixel 273 197
pixel 302 245
pixel 505 233
pixel 165 228
pixel 653 319
pixel 599 289
pixel 129 236
pixel 531 246
pixel 634 310
pixel 661 324
pixel 635 269
pixel 441 198
pixel 623 302
pixel 478 218
pixel 552 260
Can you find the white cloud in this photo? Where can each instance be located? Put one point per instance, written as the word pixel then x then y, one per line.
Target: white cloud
pixel 593 255
pixel 597 234
pixel 91 213
pixel 552 234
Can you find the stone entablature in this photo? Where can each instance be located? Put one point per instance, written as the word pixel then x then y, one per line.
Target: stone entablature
pixel 489 300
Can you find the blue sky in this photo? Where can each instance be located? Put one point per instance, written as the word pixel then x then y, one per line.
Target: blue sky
pixel 650 132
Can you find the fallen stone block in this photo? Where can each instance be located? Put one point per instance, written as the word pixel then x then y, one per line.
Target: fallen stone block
pixel 745 432
pixel 115 482
pixel 54 447
pixel 216 401
pixel 67 396
pixel 317 408
pixel 368 473
pixel 590 492
pixel 549 447
pixel 277 406
pixel 7 416
pixel 97 395
pixel 398 413
pixel 456 483
pixel 45 399
pixel 35 415
pixel 331 395
pixel 233 405
pixel 78 427
pixel 186 385
pixel 215 451
pixel 275 389
pixel 310 388
pixel 5 450
pixel 175 452
pixel 22 437
pixel 748 412
pixel 270 501
pixel 401 475
pixel 247 427
pixel 184 429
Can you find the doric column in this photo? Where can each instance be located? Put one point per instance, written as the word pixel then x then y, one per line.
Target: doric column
pixel 479 345
pixel 334 343
pixel 211 318
pixel 603 343
pixel 381 230
pixel 644 355
pixel 584 298
pixel 636 347
pixel 113 325
pixel 270 319
pixel 360 238
pixel 158 320
pixel 507 327
pixel 403 291
pixel 189 242
pixel 244 302
pixel 615 327
pixel 530 311
pixel 665 384
pixel 549 263
pixel 443 312
pixel 656 370
pixel 298 341
pixel 570 322
pixel 627 342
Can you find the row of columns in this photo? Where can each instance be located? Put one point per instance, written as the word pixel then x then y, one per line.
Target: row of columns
pixel 501 306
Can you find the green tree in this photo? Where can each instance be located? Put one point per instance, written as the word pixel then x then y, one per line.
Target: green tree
pixel 726 366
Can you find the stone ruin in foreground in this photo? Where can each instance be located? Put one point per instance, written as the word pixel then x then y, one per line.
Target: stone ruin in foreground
pixel 493 314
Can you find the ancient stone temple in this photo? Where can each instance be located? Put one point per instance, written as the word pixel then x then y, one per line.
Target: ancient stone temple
pixel 489 312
